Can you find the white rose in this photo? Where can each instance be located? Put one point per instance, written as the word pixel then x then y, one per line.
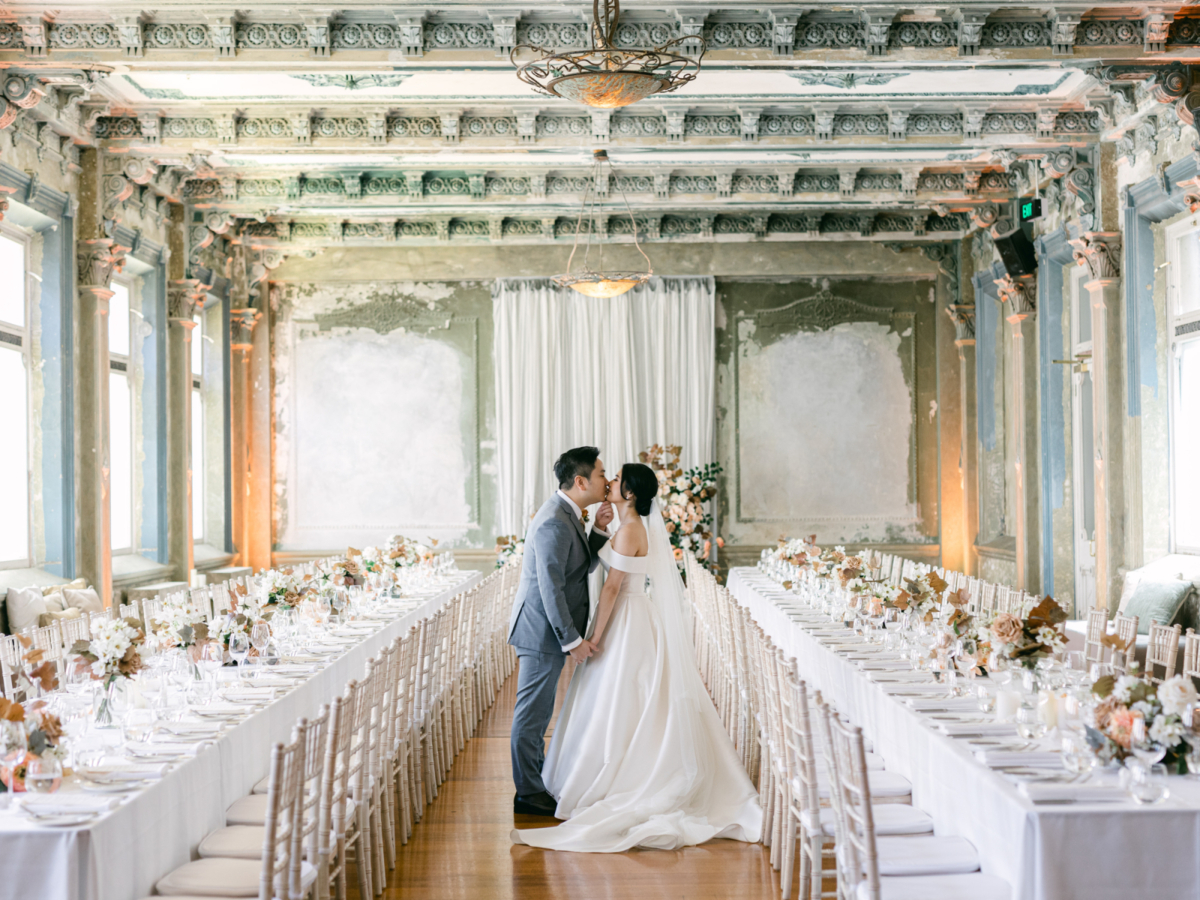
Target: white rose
pixel 1124 685
pixel 1166 731
pixel 1175 694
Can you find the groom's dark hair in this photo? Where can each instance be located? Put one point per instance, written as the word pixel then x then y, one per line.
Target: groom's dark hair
pixel 575 463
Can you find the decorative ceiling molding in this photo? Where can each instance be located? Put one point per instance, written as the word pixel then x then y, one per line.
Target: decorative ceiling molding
pixel 412 32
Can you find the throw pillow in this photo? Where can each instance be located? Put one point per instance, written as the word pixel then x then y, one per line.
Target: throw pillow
pixel 54 602
pixel 1157 601
pixel 78 583
pixel 52 616
pixel 87 600
pixel 25 607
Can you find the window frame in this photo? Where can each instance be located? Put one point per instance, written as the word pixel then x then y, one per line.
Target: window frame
pixel 21 333
pixel 198 488
pixel 1176 234
pixel 126 360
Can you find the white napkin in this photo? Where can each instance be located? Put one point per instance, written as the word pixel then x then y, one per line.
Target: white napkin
pixel 1051 792
pixel 1042 759
pixel 945 704
pixel 959 728
pixel 158 751
pixel 191 727
pixel 885 665
pixel 910 675
pixel 904 687
pixel 67 804
pixel 138 772
pixel 325 648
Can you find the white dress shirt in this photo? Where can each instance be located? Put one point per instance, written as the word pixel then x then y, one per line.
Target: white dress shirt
pixel 567 648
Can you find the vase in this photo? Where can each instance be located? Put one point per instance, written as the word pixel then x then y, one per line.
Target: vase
pixel 106 700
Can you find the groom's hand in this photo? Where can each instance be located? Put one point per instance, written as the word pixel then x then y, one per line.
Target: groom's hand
pixel 582 651
pixel 604 515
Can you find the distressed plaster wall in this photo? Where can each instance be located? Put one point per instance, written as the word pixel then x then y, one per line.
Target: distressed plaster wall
pixel 825 422
pixel 434 293
pixel 383 400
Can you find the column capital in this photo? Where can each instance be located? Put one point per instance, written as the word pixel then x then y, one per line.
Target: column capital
pixel 241 326
pixel 95 261
pixel 1018 293
pixel 1100 251
pixel 963 317
pixel 185 297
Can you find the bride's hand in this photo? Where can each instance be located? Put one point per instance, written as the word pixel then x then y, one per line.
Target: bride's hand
pixel 604 515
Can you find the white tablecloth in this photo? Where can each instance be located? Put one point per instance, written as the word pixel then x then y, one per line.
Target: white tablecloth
pixel 121 856
pixel 1108 851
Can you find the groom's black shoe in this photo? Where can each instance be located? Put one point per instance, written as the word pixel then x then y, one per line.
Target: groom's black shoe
pixel 535 804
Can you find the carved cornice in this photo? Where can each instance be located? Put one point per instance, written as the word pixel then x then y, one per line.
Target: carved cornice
pixel 1100 251
pixel 241 328
pixel 95 261
pixel 1191 193
pixel 1019 294
pixel 963 317
pixel 185 297
pixel 412 31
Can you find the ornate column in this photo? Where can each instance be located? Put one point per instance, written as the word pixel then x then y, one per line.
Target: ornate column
pixel 241 324
pixel 95 261
pixel 963 317
pixel 259 489
pixel 1100 253
pixel 184 297
pixel 1019 296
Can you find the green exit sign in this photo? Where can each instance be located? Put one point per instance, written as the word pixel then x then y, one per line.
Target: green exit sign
pixel 1031 209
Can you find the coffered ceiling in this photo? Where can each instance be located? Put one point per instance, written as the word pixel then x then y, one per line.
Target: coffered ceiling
pixel 302 125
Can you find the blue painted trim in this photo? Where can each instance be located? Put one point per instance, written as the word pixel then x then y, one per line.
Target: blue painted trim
pixel 987 332
pixel 153 538
pixel 1146 202
pixel 1053 253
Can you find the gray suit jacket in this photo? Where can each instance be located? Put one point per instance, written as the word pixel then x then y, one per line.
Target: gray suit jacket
pixel 551 608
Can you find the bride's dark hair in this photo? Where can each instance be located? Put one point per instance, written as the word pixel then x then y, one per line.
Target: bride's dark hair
pixel 640 482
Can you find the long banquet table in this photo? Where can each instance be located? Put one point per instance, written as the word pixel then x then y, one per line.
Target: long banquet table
pixel 1089 851
pixel 121 855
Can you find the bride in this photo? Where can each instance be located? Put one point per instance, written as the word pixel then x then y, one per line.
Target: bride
pixel 639 757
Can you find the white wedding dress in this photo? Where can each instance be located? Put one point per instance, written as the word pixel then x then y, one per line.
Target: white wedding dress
pixel 639 757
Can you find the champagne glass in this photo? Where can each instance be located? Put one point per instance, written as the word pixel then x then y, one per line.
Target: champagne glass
pixel 239 647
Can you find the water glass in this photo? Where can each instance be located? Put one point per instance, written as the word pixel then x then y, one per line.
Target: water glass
pixel 1029 726
pixel 139 725
pixel 14 744
pixel 43 774
pixel 1148 784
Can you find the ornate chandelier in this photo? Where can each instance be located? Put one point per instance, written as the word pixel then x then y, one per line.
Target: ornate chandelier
pixel 600 283
pixel 606 76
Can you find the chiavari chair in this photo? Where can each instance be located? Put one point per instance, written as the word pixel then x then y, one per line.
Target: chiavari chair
pixel 130 610
pixel 870 867
pixel 278 871
pixel 12 653
pixel 1162 649
pixel 987 599
pixel 1191 654
pixel 1097 628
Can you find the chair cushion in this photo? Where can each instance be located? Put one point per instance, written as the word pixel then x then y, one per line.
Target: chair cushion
pixel 236 841
pixel 975 886
pixel 250 810
pixel 890 819
pixel 214 878
pixel 926 855
pixel 261 787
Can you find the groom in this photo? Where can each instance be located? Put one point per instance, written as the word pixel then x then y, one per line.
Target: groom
pixel 551 611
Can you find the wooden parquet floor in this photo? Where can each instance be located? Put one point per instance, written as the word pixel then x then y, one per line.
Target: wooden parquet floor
pixel 461 848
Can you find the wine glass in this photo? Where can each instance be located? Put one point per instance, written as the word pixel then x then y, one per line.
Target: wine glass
pixel 212 657
pixel 260 636
pixel 239 647
pixel 339 602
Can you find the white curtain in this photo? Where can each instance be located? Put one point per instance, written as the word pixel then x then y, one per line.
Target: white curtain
pixel 620 374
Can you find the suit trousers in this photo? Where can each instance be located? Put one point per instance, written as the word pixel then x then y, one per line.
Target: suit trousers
pixel 537 683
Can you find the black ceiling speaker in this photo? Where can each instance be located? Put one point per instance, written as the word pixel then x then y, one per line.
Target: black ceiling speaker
pixel 1017 253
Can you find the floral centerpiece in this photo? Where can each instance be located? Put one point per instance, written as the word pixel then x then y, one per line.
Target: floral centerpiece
pixel 509 549
pixel 1135 713
pixel 43 734
pixel 403 552
pixel 922 595
pixel 1028 640
pixel 682 496
pixel 181 623
pixel 113 655
pixel 283 588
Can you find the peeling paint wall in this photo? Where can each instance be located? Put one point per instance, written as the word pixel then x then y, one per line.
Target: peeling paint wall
pixel 383 405
pixel 823 388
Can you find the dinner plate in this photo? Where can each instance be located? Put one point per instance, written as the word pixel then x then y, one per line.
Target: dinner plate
pixel 111 787
pixel 62 821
